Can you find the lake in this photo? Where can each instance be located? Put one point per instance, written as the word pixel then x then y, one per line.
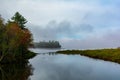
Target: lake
pixel 48 66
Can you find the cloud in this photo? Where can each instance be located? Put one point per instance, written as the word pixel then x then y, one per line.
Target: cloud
pixel 82 36
pixel 108 39
pixel 85 23
pixel 59 10
pixel 54 30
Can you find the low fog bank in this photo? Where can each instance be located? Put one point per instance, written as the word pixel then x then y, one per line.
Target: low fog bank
pixel 76 36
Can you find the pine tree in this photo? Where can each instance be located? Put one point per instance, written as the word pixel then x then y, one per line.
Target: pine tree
pixel 19 19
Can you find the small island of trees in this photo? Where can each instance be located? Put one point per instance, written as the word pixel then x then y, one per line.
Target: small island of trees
pixel 49 44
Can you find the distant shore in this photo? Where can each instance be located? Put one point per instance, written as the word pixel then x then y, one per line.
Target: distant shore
pixel 104 54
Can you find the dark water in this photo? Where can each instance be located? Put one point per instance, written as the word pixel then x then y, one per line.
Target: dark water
pixel 47 66
pixel 15 71
pixel 72 67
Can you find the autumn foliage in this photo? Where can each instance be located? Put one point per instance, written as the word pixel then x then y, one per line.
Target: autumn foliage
pixel 17 35
pixel 14 42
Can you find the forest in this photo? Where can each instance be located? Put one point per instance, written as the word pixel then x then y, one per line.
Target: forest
pixel 49 44
pixel 15 39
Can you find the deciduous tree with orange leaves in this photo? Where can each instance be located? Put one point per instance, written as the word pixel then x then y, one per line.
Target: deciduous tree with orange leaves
pixel 14 42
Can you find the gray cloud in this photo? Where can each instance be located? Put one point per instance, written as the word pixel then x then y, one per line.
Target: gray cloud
pixel 54 30
pixel 66 33
pixel 80 23
pixel 109 39
pixel 46 10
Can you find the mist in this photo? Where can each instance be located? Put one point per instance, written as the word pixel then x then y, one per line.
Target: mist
pixel 81 24
pixel 80 36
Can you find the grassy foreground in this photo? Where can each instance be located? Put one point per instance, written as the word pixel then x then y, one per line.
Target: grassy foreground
pixel 104 54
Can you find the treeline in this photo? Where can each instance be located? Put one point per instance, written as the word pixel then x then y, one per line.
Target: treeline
pixel 15 39
pixel 49 44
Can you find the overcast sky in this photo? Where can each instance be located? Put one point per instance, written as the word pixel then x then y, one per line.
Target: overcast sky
pixel 80 24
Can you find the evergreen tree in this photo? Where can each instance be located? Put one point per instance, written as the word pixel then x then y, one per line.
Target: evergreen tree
pixel 49 44
pixel 19 19
pixel 14 41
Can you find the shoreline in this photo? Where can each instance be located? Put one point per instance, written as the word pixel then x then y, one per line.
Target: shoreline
pixel 112 55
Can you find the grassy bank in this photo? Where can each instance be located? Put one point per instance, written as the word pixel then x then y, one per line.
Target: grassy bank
pixel 104 54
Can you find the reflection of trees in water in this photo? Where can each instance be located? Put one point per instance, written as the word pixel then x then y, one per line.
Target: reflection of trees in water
pixel 15 71
pixel 48 53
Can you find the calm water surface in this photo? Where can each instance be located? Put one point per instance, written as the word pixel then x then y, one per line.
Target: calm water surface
pixel 71 67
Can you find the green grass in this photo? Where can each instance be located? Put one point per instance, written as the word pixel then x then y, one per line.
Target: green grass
pixel 104 54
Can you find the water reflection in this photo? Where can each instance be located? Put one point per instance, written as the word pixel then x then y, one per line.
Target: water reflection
pixel 73 67
pixel 49 53
pixel 15 71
